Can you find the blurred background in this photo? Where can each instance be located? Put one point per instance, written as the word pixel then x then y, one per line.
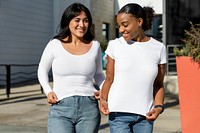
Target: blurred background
pixel 26 26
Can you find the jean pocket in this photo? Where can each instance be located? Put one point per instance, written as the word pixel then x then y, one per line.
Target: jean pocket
pixel 92 98
pixel 58 103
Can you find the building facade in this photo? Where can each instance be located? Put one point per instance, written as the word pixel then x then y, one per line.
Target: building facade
pixel 28 25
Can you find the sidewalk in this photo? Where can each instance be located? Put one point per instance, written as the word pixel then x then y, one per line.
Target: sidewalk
pixel 26 112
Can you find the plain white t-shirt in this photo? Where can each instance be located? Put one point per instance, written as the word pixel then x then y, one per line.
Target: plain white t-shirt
pixel 72 74
pixel 136 67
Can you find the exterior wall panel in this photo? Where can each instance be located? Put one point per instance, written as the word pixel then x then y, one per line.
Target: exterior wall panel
pixel 25 28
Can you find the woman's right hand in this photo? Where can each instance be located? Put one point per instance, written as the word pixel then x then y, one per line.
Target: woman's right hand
pixel 104 107
pixel 52 98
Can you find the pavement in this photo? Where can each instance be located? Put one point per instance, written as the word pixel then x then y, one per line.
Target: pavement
pixel 26 110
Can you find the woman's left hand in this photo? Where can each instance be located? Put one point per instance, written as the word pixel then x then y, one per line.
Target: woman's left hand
pixel 153 114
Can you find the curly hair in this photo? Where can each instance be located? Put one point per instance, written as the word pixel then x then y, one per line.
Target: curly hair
pixel 146 13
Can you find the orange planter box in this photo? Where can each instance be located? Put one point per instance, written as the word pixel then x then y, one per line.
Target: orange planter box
pixel 189 93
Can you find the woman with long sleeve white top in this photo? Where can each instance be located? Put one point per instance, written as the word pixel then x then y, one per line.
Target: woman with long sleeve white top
pixel 75 59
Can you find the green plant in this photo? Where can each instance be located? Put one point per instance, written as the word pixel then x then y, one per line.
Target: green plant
pixel 191 43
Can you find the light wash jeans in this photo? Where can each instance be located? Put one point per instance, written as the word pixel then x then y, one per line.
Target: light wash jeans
pixel 129 123
pixel 76 114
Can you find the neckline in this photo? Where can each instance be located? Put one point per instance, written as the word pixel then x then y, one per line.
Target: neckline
pixel 69 53
pixel 131 42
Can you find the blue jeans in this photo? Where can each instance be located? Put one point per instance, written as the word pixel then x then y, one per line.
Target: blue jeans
pixel 76 114
pixel 129 123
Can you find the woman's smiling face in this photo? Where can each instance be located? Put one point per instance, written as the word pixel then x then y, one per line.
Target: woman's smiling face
pixel 79 25
pixel 129 26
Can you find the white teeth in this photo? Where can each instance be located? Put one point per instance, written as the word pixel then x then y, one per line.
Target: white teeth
pixel 80 29
pixel 125 35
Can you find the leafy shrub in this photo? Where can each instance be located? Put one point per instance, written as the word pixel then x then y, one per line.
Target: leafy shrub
pixel 191 43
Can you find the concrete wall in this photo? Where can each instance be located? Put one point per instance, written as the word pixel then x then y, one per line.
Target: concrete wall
pixel 171 84
pixel 103 11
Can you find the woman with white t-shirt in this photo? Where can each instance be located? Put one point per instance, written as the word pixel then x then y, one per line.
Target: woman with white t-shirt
pixel 133 92
pixel 75 59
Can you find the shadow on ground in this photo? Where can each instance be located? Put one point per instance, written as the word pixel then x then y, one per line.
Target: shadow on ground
pixel 171 100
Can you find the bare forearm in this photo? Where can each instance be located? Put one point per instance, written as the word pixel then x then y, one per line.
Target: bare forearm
pixel 159 96
pixel 109 78
pixel 105 89
pixel 159 91
pixel 106 86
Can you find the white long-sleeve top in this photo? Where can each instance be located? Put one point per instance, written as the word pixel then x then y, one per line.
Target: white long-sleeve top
pixel 72 74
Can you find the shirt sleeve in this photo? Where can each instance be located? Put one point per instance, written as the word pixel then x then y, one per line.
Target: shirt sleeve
pixel 163 55
pixel 45 66
pixel 109 50
pixel 99 76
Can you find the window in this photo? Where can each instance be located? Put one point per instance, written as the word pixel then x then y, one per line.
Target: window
pixel 105 29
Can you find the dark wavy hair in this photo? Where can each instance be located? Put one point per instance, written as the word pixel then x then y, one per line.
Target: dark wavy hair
pixel 73 11
pixel 146 13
